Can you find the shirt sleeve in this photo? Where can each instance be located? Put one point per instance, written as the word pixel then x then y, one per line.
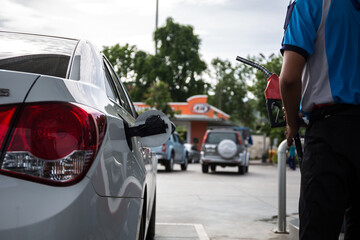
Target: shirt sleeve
pixel 301 24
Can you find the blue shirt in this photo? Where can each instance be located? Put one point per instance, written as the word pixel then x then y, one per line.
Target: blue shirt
pixel 292 151
pixel 327 34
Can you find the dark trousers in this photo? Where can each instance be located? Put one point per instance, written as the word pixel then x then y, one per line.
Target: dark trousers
pixel 330 178
pixel 292 162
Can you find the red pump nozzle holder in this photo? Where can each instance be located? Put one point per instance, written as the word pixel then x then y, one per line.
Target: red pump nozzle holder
pixel 272 90
pixel 273 101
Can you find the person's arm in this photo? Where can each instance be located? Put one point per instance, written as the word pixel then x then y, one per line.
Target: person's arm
pixel 290 90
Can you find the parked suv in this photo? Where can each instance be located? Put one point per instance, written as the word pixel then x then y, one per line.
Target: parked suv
pixel 171 152
pixel 225 148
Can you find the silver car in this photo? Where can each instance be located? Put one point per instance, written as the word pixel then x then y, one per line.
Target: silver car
pixel 193 153
pixel 75 159
pixel 225 148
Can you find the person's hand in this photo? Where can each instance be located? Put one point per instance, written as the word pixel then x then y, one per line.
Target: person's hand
pixel 290 133
pixel 292 129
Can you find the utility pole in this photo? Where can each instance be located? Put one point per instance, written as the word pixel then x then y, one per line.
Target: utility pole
pixel 156 23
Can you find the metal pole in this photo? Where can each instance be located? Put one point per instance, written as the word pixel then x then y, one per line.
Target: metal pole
pixel 282 187
pixel 264 149
pixel 156 23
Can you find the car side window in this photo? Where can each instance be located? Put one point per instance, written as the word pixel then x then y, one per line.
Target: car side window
pixel 122 97
pixel 110 88
pixel 176 138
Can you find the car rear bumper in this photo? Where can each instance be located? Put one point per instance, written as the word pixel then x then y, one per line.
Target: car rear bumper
pixel 194 157
pixel 36 211
pixel 222 163
pixel 215 160
pixel 161 156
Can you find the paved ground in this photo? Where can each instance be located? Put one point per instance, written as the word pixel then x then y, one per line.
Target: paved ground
pixel 222 205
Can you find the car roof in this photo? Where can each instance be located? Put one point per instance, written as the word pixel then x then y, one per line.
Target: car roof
pixel 222 130
pixel 13 44
pixel 51 56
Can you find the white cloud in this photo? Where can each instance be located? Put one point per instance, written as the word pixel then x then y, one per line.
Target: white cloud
pixel 226 27
pixel 205 2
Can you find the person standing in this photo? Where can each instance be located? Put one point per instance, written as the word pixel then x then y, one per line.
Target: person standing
pixel 292 158
pixel 320 77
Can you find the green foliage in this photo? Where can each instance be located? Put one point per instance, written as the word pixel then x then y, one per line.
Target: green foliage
pixel 180 64
pixel 158 96
pixel 231 90
pixel 181 130
pixel 275 158
pixel 121 57
pixel 247 116
pixel 145 65
pixel 177 63
pixel 135 68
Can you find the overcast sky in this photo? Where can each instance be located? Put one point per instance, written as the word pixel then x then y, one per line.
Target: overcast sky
pixel 227 28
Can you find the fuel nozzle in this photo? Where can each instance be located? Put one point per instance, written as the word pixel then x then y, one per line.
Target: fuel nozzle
pixel 273 102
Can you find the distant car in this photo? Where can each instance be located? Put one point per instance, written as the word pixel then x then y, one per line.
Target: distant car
pixel 246 135
pixel 225 148
pixel 193 153
pixel 172 152
pixel 75 158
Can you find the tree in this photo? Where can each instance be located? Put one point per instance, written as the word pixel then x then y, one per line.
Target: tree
pixel 136 69
pixel 158 96
pixel 145 67
pixel 231 92
pixel 122 58
pixel 177 63
pixel 180 64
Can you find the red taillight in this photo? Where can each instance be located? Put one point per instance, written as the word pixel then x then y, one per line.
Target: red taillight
pixel 163 148
pixel 238 138
pixel 54 142
pixel 6 115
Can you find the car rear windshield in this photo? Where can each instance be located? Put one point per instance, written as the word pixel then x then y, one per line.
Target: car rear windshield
pixel 35 53
pixel 217 137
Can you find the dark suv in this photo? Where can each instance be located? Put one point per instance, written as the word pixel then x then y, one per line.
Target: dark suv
pixel 224 147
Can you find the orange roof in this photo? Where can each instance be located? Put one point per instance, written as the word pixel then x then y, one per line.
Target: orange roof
pixel 195 105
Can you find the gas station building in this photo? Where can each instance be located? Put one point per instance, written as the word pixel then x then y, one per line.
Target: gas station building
pixel 196 115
